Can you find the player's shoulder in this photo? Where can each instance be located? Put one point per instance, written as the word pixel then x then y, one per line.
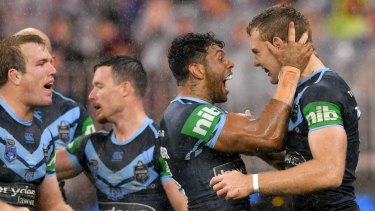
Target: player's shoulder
pixel 152 127
pixel 58 98
pixel 97 136
pixel 326 85
pixel 184 106
pixel 64 103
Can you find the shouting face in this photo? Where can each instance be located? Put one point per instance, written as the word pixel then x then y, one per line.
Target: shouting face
pixel 263 57
pixel 218 70
pixel 38 79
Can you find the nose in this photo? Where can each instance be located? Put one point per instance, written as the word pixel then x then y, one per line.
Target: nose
pixel 52 69
pixel 230 64
pixel 92 95
pixel 256 63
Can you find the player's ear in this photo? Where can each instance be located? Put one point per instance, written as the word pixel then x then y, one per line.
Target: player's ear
pixel 14 76
pixel 126 87
pixel 196 70
pixel 278 43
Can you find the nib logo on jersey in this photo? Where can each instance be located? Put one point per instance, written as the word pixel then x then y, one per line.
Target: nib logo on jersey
pixel 202 122
pixel 320 114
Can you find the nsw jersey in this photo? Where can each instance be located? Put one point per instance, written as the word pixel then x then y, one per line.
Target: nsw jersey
pixel 189 131
pixel 322 100
pixel 122 171
pixel 27 156
pixel 66 119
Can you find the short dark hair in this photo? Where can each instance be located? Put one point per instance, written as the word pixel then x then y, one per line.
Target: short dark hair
pixel 273 22
pixel 187 49
pixel 126 68
pixel 11 55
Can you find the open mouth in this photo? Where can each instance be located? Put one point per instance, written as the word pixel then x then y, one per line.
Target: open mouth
pixel 48 85
pixel 96 107
pixel 229 77
pixel 267 71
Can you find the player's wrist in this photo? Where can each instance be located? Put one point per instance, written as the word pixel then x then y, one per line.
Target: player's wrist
pixel 255 178
pixel 289 71
pixel 288 80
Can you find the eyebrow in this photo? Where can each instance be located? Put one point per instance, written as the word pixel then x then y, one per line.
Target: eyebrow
pixel 219 51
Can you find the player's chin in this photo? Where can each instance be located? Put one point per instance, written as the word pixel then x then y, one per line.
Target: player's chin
pixel 101 119
pixel 46 101
pixel 221 99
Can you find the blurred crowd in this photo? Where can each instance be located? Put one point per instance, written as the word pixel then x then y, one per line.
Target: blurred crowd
pixel 82 31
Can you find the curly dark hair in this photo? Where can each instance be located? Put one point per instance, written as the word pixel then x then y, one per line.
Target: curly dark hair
pixel 187 49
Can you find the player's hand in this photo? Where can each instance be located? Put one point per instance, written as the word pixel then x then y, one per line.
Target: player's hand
pixel 295 54
pixel 247 114
pixel 233 185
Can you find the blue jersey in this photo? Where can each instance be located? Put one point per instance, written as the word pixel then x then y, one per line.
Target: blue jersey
pixel 324 99
pixel 66 119
pixel 27 156
pixel 189 131
pixel 122 171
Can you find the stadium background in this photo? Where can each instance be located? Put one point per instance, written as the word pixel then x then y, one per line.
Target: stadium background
pixel 82 31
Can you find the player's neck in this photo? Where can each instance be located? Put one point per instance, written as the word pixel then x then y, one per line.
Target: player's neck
pixel 18 107
pixel 129 121
pixel 199 92
pixel 314 64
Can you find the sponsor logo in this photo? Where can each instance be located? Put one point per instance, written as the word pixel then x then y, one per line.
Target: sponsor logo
pixel 20 194
pixel 38 115
pixel 230 166
pixel 121 206
pixel 29 138
pixel 161 133
pixel 358 112
pixel 293 159
pixel 89 129
pixel 117 156
pixel 322 113
pixel 202 122
pixel 114 193
pixel 164 153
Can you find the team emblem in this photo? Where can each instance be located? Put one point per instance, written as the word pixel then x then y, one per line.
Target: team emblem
pixel 45 153
pixel 10 150
pixel 141 172
pixel 93 165
pixel 29 175
pixel 63 131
